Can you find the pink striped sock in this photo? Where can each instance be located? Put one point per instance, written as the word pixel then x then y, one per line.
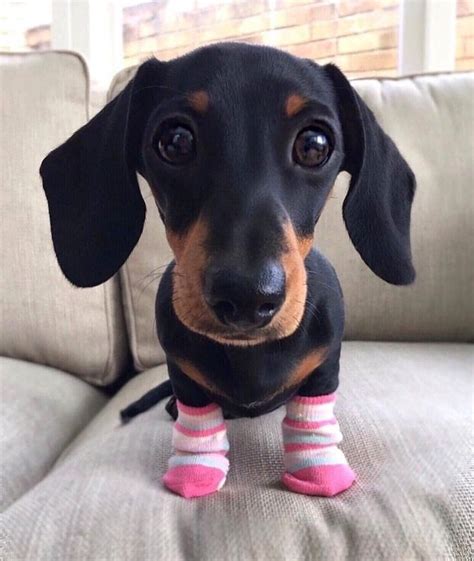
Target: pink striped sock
pixel 199 465
pixel 314 464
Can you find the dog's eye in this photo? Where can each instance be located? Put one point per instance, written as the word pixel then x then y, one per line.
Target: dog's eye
pixel 312 148
pixel 175 143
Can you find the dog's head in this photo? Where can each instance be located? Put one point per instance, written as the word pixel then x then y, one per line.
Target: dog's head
pixel 241 146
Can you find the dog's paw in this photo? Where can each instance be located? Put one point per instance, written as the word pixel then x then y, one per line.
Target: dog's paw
pixel 322 481
pixel 189 476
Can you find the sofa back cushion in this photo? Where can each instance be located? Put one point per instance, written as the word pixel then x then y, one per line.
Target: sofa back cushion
pixel 43 318
pixel 430 119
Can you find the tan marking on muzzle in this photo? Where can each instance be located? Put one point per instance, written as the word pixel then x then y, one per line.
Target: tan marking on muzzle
pixel 177 243
pixel 188 292
pixel 289 317
pixel 304 245
pixel 191 260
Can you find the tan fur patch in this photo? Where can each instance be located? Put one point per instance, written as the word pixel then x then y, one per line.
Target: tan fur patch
pixel 188 298
pixel 302 370
pixel 294 104
pixel 191 259
pixel 307 364
pixel 199 101
pixel 176 242
pixel 196 375
pixel 305 245
pixel 289 317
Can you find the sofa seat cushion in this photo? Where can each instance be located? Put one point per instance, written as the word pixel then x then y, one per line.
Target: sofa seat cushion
pixel 405 412
pixel 42 410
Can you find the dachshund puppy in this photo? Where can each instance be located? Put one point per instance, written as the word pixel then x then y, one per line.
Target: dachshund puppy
pixel 241 146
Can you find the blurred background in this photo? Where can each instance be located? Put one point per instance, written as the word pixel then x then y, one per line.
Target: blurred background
pixel 364 37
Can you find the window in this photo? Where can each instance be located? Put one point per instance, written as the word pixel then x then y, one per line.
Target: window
pixel 360 36
pixel 364 37
pixel 25 24
pixel 465 35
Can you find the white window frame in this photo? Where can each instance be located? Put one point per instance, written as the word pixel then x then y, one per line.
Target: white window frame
pixel 86 26
pixel 427 35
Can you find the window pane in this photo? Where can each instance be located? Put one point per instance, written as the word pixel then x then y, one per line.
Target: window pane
pixel 465 35
pixel 361 36
pixel 25 25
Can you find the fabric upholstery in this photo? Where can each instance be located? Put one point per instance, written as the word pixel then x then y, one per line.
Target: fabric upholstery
pixel 42 409
pixel 43 318
pixel 404 410
pixel 430 119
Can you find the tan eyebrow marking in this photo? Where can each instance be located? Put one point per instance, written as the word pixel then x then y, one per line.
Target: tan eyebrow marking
pixel 294 104
pixel 199 101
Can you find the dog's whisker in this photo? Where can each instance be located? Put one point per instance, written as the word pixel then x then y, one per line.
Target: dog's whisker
pixel 318 281
pixel 310 305
pixel 150 278
pixel 149 283
pixel 301 325
pixel 160 267
pixel 153 274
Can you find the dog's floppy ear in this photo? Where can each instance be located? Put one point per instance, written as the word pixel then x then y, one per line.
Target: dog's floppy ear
pixel 96 210
pixel 377 206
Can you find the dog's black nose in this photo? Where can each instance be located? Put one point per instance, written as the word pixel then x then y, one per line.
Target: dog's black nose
pixel 245 301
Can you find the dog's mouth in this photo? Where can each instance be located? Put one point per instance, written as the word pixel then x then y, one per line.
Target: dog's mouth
pixel 227 334
pixel 242 335
pixel 248 336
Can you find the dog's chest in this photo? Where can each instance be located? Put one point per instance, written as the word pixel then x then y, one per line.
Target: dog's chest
pixel 255 375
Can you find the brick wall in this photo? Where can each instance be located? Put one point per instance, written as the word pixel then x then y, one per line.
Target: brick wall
pixel 39 38
pixel 361 36
pixel 465 35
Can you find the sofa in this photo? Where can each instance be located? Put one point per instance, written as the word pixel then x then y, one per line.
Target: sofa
pixel 76 484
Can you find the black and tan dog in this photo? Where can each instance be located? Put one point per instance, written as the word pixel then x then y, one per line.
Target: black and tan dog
pixel 241 146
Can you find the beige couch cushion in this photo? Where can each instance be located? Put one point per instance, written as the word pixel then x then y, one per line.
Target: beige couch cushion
pixel 41 410
pixel 405 413
pixel 43 318
pixel 430 119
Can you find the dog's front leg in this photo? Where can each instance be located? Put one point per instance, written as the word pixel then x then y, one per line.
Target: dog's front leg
pixel 198 465
pixel 314 465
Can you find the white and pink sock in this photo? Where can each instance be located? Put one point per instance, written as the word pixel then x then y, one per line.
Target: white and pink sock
pixel 314 465
pixel 199 465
